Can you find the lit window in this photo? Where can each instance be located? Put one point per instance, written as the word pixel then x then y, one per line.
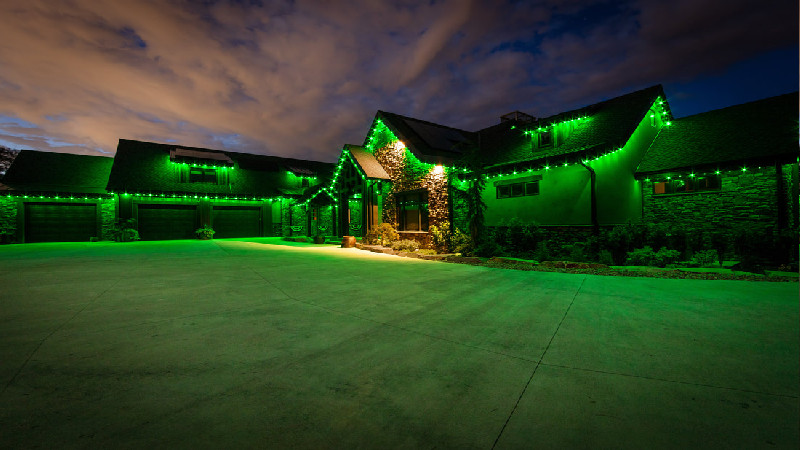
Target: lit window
pixel 412 210
pixel 201 175
pixel 689 184
pixel 546 138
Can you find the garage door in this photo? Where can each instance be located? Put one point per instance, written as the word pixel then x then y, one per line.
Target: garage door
pixel 236 221
pixel 162 222
pixel 60 222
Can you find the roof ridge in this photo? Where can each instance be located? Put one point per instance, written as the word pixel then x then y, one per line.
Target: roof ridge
pixel 737 105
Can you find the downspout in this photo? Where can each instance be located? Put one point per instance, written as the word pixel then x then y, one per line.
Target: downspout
pixel 593 201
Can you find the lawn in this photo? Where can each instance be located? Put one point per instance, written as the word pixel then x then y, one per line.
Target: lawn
pixel 262 343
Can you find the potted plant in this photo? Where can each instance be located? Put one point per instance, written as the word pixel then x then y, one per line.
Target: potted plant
pixel 205 232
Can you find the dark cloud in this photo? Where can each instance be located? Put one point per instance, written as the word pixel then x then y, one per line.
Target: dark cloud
pixel 302 78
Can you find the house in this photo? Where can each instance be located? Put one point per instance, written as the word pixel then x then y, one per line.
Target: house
pixel 50 196
pixel 573 170
pixel 579 171
pixel 171 190
pixel 626 159
pixel 725 168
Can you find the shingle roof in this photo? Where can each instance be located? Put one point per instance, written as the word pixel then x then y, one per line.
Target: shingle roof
pixel 428 141
pixel 609 125
pixel 763 130
pixel 50 172
pixel 371 167
pixel 146 167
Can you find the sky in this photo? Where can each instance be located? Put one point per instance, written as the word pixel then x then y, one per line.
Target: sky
pixel 302 78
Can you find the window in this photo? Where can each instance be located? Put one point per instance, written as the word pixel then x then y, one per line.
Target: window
pixel 546 138
pixel 202 175
pixel 518 189
pixel 688 184
pixel 412 210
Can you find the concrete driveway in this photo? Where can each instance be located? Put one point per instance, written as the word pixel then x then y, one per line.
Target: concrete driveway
pixel 245 344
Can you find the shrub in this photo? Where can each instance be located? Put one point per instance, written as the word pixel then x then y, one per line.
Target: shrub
pixel 205 232
pixel 405 245
pixel 125 230
pixel 719 242
pixel 445 241
pixel 648 257
pixel 461 242
pixel 383 234
pixel 618 241
pixel 705 258
pixel 441 237
pixel 487 246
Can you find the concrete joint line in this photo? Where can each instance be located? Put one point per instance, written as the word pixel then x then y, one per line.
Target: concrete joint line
pixel 539 363
pixel 59 327
pixel 407 330
pixel 664 380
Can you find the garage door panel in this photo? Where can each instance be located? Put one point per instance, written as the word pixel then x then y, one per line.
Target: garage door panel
pixel 236 221
pixel 60 222
pixel 167 221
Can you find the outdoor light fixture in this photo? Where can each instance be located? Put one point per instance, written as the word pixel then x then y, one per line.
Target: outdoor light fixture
pixel 438 169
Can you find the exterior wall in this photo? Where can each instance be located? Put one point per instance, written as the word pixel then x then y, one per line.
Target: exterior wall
pixel 748 199
pixel 8 219
pixel 294 220
pixel 619 195
pixel 564 199
pixel 108 218
pixel 408 174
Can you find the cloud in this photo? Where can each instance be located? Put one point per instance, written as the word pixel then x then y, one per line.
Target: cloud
pixel 303 78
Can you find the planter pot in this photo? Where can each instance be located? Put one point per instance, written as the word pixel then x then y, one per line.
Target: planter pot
pixel 348 241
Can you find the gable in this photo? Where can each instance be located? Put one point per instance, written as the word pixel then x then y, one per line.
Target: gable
pixel 763 130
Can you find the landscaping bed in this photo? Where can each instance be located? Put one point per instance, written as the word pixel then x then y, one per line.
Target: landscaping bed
pixel 588 268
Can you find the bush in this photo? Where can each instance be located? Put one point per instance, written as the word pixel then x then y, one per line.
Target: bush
pixel 440 237
pixel 705 258
pixel 719 242
pixel 383 234
pixel 445 241
pixel 618 241
pixel 125 230
pixel 405 245
pixel 648 257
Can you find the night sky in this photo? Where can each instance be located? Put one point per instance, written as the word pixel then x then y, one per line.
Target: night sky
pixel 302 78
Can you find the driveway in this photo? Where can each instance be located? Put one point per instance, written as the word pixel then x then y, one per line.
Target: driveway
pixel 260 343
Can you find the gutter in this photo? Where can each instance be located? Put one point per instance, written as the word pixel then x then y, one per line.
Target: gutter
pixel 593 201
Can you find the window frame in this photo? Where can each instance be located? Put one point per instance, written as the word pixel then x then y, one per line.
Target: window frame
pixel 522 189
pixel 405 202
pixel 688 185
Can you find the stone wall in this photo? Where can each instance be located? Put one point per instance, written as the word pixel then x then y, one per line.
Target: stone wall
pixel 108 217
pixel 745 200
pixel 8 219
pixel 294 220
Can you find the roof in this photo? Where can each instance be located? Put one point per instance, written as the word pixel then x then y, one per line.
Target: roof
pixel 147 167
pixel 369 165
pixel 609 124
pixel 763 130
pixel 51 172
pixel 428 141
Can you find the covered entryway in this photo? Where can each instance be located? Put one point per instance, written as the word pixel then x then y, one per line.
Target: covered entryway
pixel 236 221
pixel 166 221
pixel 60 222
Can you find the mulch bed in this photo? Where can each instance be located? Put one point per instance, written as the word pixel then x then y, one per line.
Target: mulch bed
pixel 578 268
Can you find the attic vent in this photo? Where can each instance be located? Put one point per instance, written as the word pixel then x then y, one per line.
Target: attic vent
pixel 517 116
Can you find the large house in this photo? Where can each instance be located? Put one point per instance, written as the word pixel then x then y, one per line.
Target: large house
pixel 624 159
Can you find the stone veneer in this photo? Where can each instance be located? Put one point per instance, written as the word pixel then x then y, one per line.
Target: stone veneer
pixel 746 199
pixel 8 219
